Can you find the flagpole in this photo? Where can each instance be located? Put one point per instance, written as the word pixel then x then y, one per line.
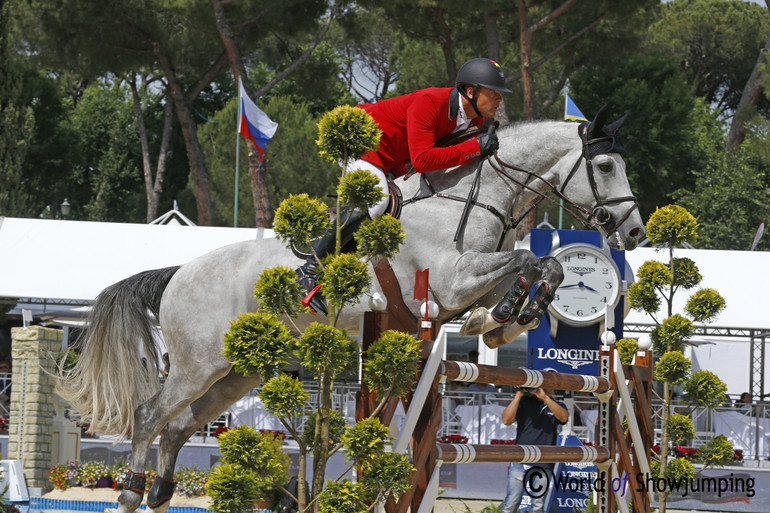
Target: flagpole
pixel 561 201
pixel 237 153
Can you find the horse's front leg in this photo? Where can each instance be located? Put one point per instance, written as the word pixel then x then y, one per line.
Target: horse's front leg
pixel 486 278
pixel 529 269
pixel 530 317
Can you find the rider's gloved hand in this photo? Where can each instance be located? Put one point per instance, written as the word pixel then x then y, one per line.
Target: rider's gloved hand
pixel 488 144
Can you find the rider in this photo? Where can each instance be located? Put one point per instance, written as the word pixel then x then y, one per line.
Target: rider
pixel 411 125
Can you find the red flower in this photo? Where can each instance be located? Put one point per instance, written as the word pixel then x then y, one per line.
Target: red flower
pixel 278 434
pixel 499 441
pixel 453 439
pixel 221 429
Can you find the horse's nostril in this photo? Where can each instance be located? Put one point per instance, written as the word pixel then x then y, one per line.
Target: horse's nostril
pixel 637 233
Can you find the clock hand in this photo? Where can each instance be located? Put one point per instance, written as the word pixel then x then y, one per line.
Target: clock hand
pixel 580 285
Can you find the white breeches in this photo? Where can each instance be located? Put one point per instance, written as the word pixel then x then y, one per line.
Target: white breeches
pixel 379 208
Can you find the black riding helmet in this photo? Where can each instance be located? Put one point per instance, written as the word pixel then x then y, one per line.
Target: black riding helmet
pixel 480 72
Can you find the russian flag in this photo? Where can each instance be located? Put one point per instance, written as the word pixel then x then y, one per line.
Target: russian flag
pixel 571 111
pixel 255 124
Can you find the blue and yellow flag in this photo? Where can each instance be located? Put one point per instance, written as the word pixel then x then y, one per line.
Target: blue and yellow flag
pixel 571 112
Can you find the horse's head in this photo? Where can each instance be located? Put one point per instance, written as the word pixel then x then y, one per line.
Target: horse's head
pixel 602 192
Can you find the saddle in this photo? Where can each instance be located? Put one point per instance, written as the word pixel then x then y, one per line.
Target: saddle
pixel 395 203
pixel 400 316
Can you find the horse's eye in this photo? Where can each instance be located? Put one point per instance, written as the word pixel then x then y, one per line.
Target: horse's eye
pixel 605 167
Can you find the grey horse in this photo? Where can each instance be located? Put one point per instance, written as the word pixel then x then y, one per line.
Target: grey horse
pixel 116 392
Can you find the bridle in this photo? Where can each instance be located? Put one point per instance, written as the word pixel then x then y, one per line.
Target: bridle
pixel 598 216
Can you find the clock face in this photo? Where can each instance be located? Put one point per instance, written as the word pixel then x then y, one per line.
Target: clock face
pixel 591 282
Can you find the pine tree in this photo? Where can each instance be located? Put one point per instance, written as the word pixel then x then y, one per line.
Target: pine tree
pixel 16 123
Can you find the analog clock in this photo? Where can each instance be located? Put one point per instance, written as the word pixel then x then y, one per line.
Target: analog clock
pixel 591 282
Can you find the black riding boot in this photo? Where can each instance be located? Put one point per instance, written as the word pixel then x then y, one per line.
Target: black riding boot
pixel 306 274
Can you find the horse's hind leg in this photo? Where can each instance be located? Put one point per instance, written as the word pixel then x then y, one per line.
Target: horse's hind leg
pixel 201 411
pixel 151 416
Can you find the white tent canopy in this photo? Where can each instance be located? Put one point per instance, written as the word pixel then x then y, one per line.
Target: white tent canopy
pixel 72 261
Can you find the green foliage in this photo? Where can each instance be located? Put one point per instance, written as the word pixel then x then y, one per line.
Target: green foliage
pixel 253 463
pixel 626 350
pixel 663 148
pixel 346 133
pixel 391 361
pixel 671 334
pixel 249 449
pixel 731 197
pixel 679 428
pixel 344 279
pixel 360 189
pixel 17 123
pixel 386 473
pixel 672 225
pixel 365 439
pixel 283 396
pixel 342 497
pixel 323 348
pixel 686 274
pixel 705 305
pixel 672 367
pixel 642 297
pixel 257 343
pixel 300 219
pixel 336 428
pixel 705 389
pixel 655 274
pixel 232 489
pixel 716 452
pixel 380 236
pixel 679 469
pixel 277 290
pixel 716 42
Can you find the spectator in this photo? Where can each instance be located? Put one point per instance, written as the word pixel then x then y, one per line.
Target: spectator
pixel 744 403
pixel 538 417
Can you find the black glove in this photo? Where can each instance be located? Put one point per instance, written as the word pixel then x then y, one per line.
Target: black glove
pixel 488 143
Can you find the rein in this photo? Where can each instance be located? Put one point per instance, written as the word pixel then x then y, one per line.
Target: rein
pixel 598 216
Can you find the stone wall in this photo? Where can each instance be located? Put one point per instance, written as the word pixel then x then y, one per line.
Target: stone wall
pixel 32 401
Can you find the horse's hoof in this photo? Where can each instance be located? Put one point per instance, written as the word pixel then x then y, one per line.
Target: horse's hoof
pixel 493 340
pixel 476 323
pixel 129 501
pixel 532 324
pixel 162 508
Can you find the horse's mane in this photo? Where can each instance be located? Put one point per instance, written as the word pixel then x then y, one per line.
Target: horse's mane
pixel 541 134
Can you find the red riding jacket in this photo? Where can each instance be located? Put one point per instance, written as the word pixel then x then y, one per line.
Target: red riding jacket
pixel 411 124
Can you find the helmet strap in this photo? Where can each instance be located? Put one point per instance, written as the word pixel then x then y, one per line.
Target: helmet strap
pixel 471 100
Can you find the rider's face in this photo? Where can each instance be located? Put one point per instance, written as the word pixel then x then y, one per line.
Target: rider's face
pixel 487 100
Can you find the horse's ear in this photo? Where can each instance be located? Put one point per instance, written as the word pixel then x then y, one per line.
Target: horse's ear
pixel 595 128
pixel 615 126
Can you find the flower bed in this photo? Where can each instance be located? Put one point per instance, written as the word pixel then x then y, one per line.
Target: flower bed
pixel 453 439
pixel 691 453
pixel 189 482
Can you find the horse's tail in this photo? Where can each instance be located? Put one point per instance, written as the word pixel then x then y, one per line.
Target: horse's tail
pixel 110 377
